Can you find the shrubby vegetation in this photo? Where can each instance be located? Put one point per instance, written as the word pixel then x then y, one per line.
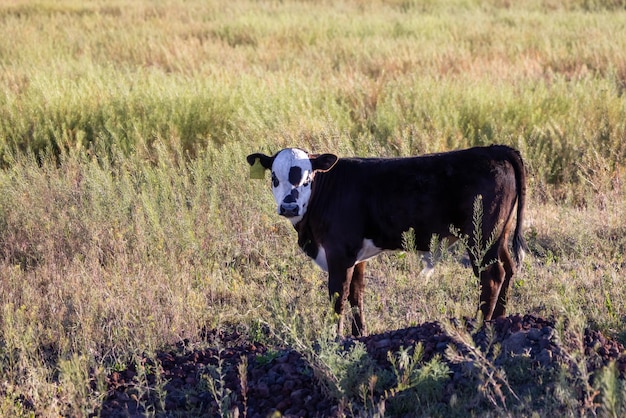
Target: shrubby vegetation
pixel 127 222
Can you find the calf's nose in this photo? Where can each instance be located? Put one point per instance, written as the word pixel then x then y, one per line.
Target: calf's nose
pixel 289 209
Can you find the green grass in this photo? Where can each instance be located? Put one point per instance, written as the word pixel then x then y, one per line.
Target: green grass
pixel 127 222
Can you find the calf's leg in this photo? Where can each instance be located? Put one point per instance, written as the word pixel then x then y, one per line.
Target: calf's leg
pixel 357 286
pixel 492 276
pixel 509 269
pixel 339 280
pixel 491 280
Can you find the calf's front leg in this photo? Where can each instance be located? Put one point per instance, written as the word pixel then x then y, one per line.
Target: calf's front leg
pixel 339 280
pixel 357 287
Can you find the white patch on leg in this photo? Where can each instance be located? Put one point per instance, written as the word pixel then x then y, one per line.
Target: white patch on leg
pixel 429 267
pixel 321 260
pixel 368 250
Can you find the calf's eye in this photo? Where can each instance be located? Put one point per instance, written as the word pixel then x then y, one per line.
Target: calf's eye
pixel 274 180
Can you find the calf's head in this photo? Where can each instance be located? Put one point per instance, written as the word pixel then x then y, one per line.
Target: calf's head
pixel 292 176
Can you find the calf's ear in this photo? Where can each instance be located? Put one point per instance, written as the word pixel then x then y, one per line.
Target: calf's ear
pixel 258 164
pixel 323 162
pixel 265 161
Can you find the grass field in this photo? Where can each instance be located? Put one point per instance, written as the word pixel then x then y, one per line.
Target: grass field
pixel 128 223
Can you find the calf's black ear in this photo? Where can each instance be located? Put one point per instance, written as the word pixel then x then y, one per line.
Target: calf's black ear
pixel 323 162
pixel 258 164
pixel 264 160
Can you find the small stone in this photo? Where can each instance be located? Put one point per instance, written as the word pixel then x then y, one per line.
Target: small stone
pixel 284 358
pixel 545 357
pixel 515 343
pixel 289 385
pixel 534 334
pixel 295 412
pixel 123 397
pixel 262 390
pixel 298 394
pixel 382 343
pixel 287 368
pixel 283 405
pixel 441 347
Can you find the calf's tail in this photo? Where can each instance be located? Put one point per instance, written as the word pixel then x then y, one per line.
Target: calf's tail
pixel 519 245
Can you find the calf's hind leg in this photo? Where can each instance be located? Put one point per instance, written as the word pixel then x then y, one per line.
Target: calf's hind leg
pixel 509 269
pixel 492 277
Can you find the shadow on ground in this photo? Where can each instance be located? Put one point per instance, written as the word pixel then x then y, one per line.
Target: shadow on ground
pixel 212 381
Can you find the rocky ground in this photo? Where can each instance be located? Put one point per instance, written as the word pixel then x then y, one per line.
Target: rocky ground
pixel 199 382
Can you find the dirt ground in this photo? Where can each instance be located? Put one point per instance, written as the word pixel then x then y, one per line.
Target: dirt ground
pixel 280 379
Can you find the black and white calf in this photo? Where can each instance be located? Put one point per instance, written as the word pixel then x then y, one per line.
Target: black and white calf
pixel 347 210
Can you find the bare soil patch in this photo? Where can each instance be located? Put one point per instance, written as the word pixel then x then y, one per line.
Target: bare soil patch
pixel 280 379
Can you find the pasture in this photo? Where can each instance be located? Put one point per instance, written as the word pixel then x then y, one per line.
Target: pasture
pixel 128 224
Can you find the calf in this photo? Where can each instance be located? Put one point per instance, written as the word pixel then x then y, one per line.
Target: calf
pixel 347 210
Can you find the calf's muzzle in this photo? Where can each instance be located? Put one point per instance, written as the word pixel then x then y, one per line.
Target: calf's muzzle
pixel 289 210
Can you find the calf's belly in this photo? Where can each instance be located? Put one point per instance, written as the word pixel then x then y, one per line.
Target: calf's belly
pixel 367 251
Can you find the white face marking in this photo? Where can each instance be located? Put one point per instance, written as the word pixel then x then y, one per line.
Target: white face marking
pixel 292 174
pixel 429 267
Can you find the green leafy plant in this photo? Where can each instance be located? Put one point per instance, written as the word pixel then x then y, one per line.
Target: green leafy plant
pixel 491 380
pixel 223 396
pixel 474 244
pixel 612 391
pixel 418 384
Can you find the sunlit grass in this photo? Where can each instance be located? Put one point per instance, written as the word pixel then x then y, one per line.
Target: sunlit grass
pixel 390 77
